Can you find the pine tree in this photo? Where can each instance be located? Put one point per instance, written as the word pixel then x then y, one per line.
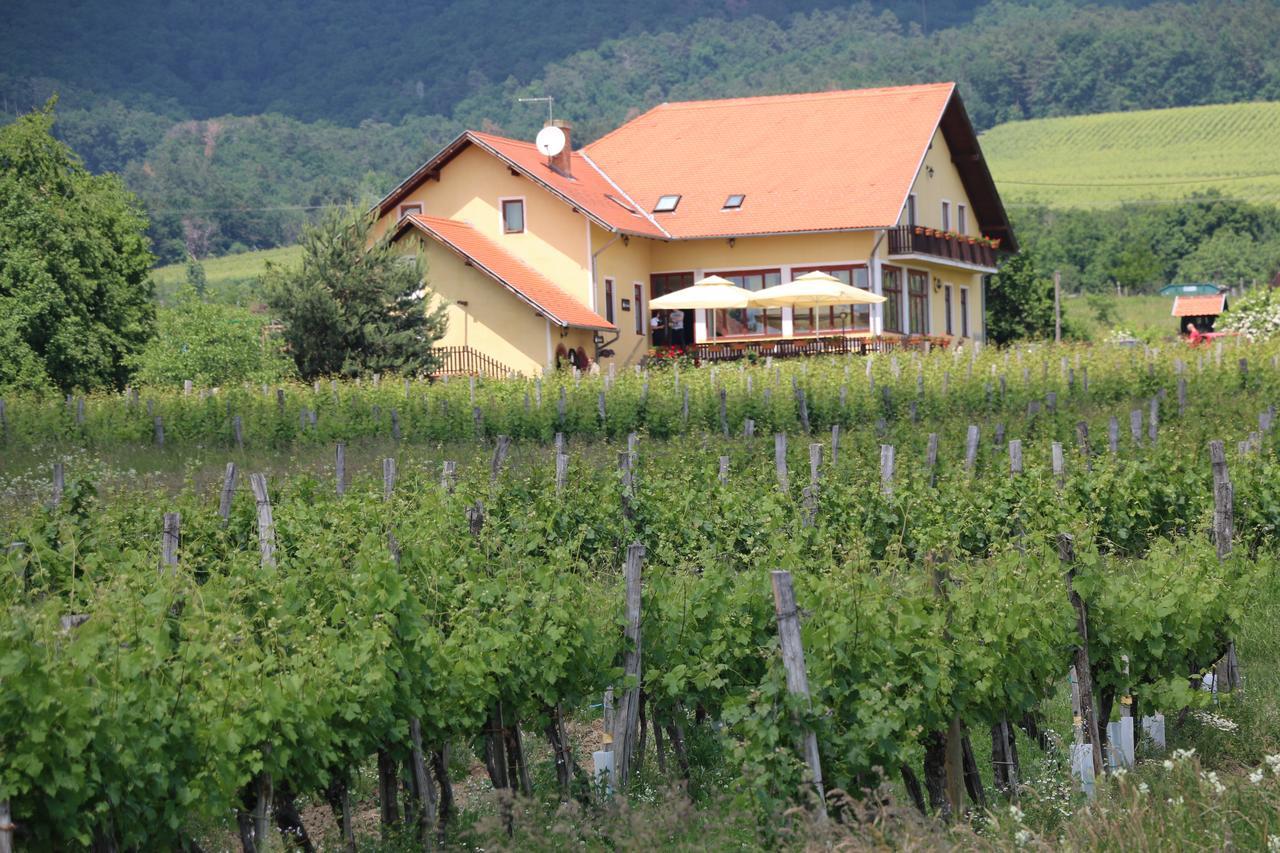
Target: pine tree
pixel 355 307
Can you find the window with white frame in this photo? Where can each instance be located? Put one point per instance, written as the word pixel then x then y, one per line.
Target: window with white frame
pixel 946 216
pixel 513 216
pixel 962 223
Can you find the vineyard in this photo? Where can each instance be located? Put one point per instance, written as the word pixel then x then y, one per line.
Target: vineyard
pixel 800 584
pixel 1112 158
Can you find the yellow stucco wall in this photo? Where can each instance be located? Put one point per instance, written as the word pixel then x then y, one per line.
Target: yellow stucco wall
pixel 554 241
pixel 758 252
pixel 945 184
pixel 494 321
pixel 628 263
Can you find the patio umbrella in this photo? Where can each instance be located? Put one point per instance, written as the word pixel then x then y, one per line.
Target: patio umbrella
pixel 813 289
pixel 710 292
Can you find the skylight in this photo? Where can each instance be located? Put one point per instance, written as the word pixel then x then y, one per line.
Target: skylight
pixel 620 203
pixel 666 204
pixel 734 202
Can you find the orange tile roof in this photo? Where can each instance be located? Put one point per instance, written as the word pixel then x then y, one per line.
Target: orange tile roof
pixel 588 189
pixel 1198 306
pixel 506 269
pixel 826 161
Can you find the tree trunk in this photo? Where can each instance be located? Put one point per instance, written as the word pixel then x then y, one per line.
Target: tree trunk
pixel 388 786
pixel 440 764
pixel 912 783
pixel 289 820
pixel 339 798
pixel 935 772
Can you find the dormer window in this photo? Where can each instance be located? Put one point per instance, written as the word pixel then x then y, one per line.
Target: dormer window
pixel 734 202
pixel 666 204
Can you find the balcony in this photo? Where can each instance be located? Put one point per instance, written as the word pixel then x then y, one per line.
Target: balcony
pixel 918 240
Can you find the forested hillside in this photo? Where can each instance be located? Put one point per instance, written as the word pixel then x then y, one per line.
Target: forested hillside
pixel 357 94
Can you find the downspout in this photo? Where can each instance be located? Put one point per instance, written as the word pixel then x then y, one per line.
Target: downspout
pixel 595 287
pixel 876 284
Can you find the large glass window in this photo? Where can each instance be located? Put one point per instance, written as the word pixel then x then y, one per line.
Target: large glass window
pixel 834 319
pixel 676 327
pixel 891 289
pixel 736 322
pixel 918 293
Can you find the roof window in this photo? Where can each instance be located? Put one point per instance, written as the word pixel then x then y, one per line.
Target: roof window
pixel 734 202
pixel 622 204
pixel 666 204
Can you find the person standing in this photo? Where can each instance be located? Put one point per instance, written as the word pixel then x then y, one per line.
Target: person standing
pixel 675 327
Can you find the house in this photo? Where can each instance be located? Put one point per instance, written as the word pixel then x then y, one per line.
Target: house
pixel 546 257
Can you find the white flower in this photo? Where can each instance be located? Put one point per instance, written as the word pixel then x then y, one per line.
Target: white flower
pixel 1015 813
pixel 1256 776
pixel 1212 778
pixel 1119 772
pixel 1183 754
pixel 1025 836
pixel 1168 765
pixel 1144 788
pixel 1220 723
pixel 1273 761
pixel 1273 844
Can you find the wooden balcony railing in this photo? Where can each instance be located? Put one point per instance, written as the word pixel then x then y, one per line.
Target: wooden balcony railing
pixel 915 240
pixel 465 361
pixel 800 347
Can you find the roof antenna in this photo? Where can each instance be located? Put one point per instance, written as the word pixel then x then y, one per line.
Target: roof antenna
pixel 551 102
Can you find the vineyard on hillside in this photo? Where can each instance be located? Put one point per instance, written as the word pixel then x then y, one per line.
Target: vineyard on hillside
pixel 928 533
pixel 1115 158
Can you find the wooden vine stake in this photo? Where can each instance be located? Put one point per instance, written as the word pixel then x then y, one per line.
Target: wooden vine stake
pixel 784 604
pixel 780 460
pixel 1223 534
pixel 340 468
pixel 626 722
pixel 887 454
pixel 267 552
pixel 228 492
pixel 169 541
pixel 1083 675
pixel 971 448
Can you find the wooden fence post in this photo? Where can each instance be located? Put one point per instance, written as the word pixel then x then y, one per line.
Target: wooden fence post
pixel 835 444
pixel 448 476
pixel 1015 456
pixel 340 468
pixel 228 492
pixel 971 448
pixel 1082 439
pixel 931 459
pixel 169 541
pixel 1223 534
pixel 887 459
pixel 266 525
pixel 780 460
pixel 1084 675
pixel 1059 468
pixel 1153 420
pixel 388 478
pixel 626 721
pixel 784 605
pixel 237 431
pixel 724 472
pixel 500 451
pixel 159 431
pixel 1135 427
pixel 562 472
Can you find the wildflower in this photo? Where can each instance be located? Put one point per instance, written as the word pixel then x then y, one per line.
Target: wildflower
pixel 1144 788
pixel 1168 765
pixel 1273 844
pixel 1256 776
pixel 1212 778
pixel 1216 721
pixel 1119 772
pixel 1025 837
pixel 1015 813
pixel 1183 754
pixel 1273 761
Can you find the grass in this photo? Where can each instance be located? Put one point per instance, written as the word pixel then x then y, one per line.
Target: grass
pixel 1111 158
pixel 230 278
pixel 1147 317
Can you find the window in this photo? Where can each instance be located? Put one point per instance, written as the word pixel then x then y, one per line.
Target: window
pixel 738 322
pixel 891 289
pixel 622 204
pixel 734 202
pixel 964 312
pixel 608 299
pixel 666 204
pixel 406 209
pixel 512 215
pixel 911 209
pixel 918 302
pixel 946 216
pixel 677 325
pixel 639 308
pixel 946 295
pixel 962 224
pixel 833 319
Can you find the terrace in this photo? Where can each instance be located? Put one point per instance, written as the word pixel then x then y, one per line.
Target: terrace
pixel 736 350
pixel 918 240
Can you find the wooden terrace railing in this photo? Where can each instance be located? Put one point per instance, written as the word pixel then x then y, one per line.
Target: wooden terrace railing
pixel 801 347
pixel 916 240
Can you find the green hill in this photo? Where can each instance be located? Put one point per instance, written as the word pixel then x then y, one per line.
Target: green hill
pixel 1112 158
pixel 230 278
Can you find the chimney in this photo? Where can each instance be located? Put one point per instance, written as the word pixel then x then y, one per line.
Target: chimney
pixel 563 162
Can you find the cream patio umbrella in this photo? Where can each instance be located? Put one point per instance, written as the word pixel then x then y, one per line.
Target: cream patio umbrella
pixel 811 290
pixel 710 292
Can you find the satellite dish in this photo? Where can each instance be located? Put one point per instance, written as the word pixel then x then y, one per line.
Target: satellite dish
pixel 550 141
